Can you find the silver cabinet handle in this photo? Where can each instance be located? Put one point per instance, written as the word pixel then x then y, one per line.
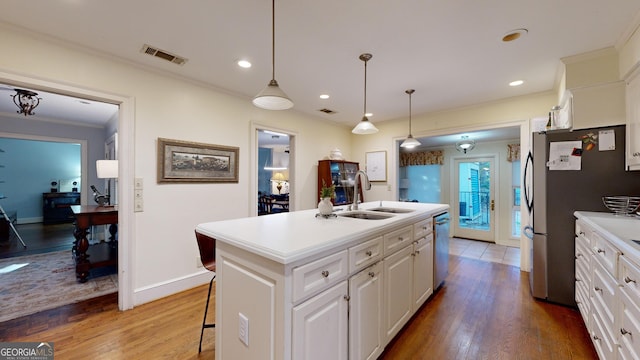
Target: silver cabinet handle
pixel 578 255
pixel 325 273
pixel 596 338
pixel 629 280
pixel 400 238
pixel 578 279
pixel 369 253
pixel 582 233
pixel 624 331
pixel 372 274
pixel 347 297
pixel 597 289
pixel 600 251
pixel 417 252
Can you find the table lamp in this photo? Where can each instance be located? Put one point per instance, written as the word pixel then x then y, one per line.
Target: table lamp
pixel 278 178
pixel 106 169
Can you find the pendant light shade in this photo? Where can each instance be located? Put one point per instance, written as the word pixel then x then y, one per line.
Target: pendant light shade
pixel 410 142
pixel 272 97
pixel 465 144
pixel 365 126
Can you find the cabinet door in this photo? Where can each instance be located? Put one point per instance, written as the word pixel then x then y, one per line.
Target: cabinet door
pixel 398 288
pixel 422 271
pixel 365 313
pixel 633 123
pixel 320 326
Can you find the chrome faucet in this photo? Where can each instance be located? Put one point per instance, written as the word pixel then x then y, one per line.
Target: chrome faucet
pixel 356 193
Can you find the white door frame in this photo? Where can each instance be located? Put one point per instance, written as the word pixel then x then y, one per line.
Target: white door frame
pixel 126 124
pixel 493 196
pixel 253 169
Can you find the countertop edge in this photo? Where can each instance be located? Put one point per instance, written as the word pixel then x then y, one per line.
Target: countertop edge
pixel 321 247
pixel 627 249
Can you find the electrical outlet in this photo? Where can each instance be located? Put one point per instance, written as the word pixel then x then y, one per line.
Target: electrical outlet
pixel 389 187
pixel 243 328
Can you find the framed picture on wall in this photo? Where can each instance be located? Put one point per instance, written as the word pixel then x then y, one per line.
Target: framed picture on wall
pixel 185 161
pixel 376 165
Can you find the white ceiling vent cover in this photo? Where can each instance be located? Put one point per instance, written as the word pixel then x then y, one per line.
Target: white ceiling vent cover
pixel 150 50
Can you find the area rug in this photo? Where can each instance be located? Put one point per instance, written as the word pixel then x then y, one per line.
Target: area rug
pixel 46 281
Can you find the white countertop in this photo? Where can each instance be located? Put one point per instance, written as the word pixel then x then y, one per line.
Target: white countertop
pixel 621 229
pixel 288 237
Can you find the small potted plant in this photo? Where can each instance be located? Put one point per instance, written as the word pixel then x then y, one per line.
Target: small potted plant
pixel 325 206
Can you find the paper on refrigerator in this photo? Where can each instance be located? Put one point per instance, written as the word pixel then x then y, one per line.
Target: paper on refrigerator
pixel 565 155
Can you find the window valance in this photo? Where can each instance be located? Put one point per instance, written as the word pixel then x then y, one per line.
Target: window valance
pixel 435 157
pixel 513 152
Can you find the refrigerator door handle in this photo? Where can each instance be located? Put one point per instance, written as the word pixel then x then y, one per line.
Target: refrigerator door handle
pixel 528 196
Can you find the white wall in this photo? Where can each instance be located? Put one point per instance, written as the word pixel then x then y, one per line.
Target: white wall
pixel 165 250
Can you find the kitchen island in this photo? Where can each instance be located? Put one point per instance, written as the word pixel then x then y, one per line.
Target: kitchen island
pixel 297 286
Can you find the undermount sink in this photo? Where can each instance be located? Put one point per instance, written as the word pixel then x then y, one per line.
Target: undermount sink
pixel 391 210
pixel 365 215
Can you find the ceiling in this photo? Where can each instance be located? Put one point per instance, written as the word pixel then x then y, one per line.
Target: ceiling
pixel 450 52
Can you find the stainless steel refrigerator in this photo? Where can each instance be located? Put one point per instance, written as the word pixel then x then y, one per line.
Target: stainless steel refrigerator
pixel 556 194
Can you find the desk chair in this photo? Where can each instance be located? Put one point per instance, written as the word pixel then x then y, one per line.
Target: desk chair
pixel 207 247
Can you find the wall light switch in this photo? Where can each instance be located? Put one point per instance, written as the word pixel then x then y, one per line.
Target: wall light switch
pixel 137 184
pixel 243 328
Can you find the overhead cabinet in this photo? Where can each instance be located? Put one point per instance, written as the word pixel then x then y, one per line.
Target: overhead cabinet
pixel 633 123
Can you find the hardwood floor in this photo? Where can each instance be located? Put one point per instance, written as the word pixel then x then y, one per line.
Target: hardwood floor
pixel 484 311
pixel 39 239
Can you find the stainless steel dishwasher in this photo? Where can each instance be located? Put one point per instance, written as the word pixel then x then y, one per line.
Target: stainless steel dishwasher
pixel 441 249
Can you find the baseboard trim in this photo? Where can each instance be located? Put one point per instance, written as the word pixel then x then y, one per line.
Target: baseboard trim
pixel 163 289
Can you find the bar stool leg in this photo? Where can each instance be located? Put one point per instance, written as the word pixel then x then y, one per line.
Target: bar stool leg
pixel 204 319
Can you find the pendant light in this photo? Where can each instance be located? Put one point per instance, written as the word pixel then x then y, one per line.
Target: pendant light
pixel 365 126
pixel 410 142
pixel 272 97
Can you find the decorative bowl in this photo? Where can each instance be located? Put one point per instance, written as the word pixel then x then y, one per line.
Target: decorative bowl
pixel 621 205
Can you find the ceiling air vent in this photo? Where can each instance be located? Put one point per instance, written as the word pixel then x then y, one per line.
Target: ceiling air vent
pixel 150 50
pixel 327 111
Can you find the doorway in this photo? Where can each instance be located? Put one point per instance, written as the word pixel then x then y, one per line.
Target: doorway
pixel 273 171
pixel 474 194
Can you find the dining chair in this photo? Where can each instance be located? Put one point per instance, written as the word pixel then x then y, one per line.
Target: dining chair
pixel 207 247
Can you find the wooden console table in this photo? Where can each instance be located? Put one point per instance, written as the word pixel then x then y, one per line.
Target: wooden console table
pixel 102 254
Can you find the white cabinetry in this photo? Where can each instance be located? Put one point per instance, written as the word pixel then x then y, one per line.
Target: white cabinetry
pixel 398 290
pixel 612 311
pixel 320 326
pixel 633 122
pixel 629 310
pixel 365 316
pixel 422 270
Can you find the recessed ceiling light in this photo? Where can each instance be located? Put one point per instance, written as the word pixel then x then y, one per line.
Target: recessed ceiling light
pixel 516 83
pixel 514 34
pixel 324 96
pixel 244 64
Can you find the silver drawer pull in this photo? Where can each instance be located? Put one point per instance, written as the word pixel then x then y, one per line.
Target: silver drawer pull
pixel 578 279
pixel 372 274
pixel 582 233
pixel 596 338
pixel 325 273
pixel 347 297
pixel 417 252
pixel 578 255
pixel 400 238
pixel 424 228
pixel 369 253
pixel 629 280
pixel 600 251
pixel 597 289
pixel 624 331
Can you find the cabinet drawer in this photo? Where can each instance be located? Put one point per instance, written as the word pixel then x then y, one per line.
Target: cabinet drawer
pixel 629 332
pixel 320 274
pixel 422 228
pixel 602 341
pixel 603 296
pixel 365 254
pixel 398 239
pixel 629 278
pixel 605 253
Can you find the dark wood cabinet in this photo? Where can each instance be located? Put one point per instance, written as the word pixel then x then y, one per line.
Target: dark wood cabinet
pixel 55 207
pixel 341 174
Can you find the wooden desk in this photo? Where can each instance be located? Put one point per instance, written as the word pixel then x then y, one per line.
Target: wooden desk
pixel 87 256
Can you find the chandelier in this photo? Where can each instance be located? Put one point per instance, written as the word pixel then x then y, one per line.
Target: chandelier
pixel 26 101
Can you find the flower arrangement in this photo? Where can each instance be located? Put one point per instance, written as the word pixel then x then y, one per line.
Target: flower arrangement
pixel 327 191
